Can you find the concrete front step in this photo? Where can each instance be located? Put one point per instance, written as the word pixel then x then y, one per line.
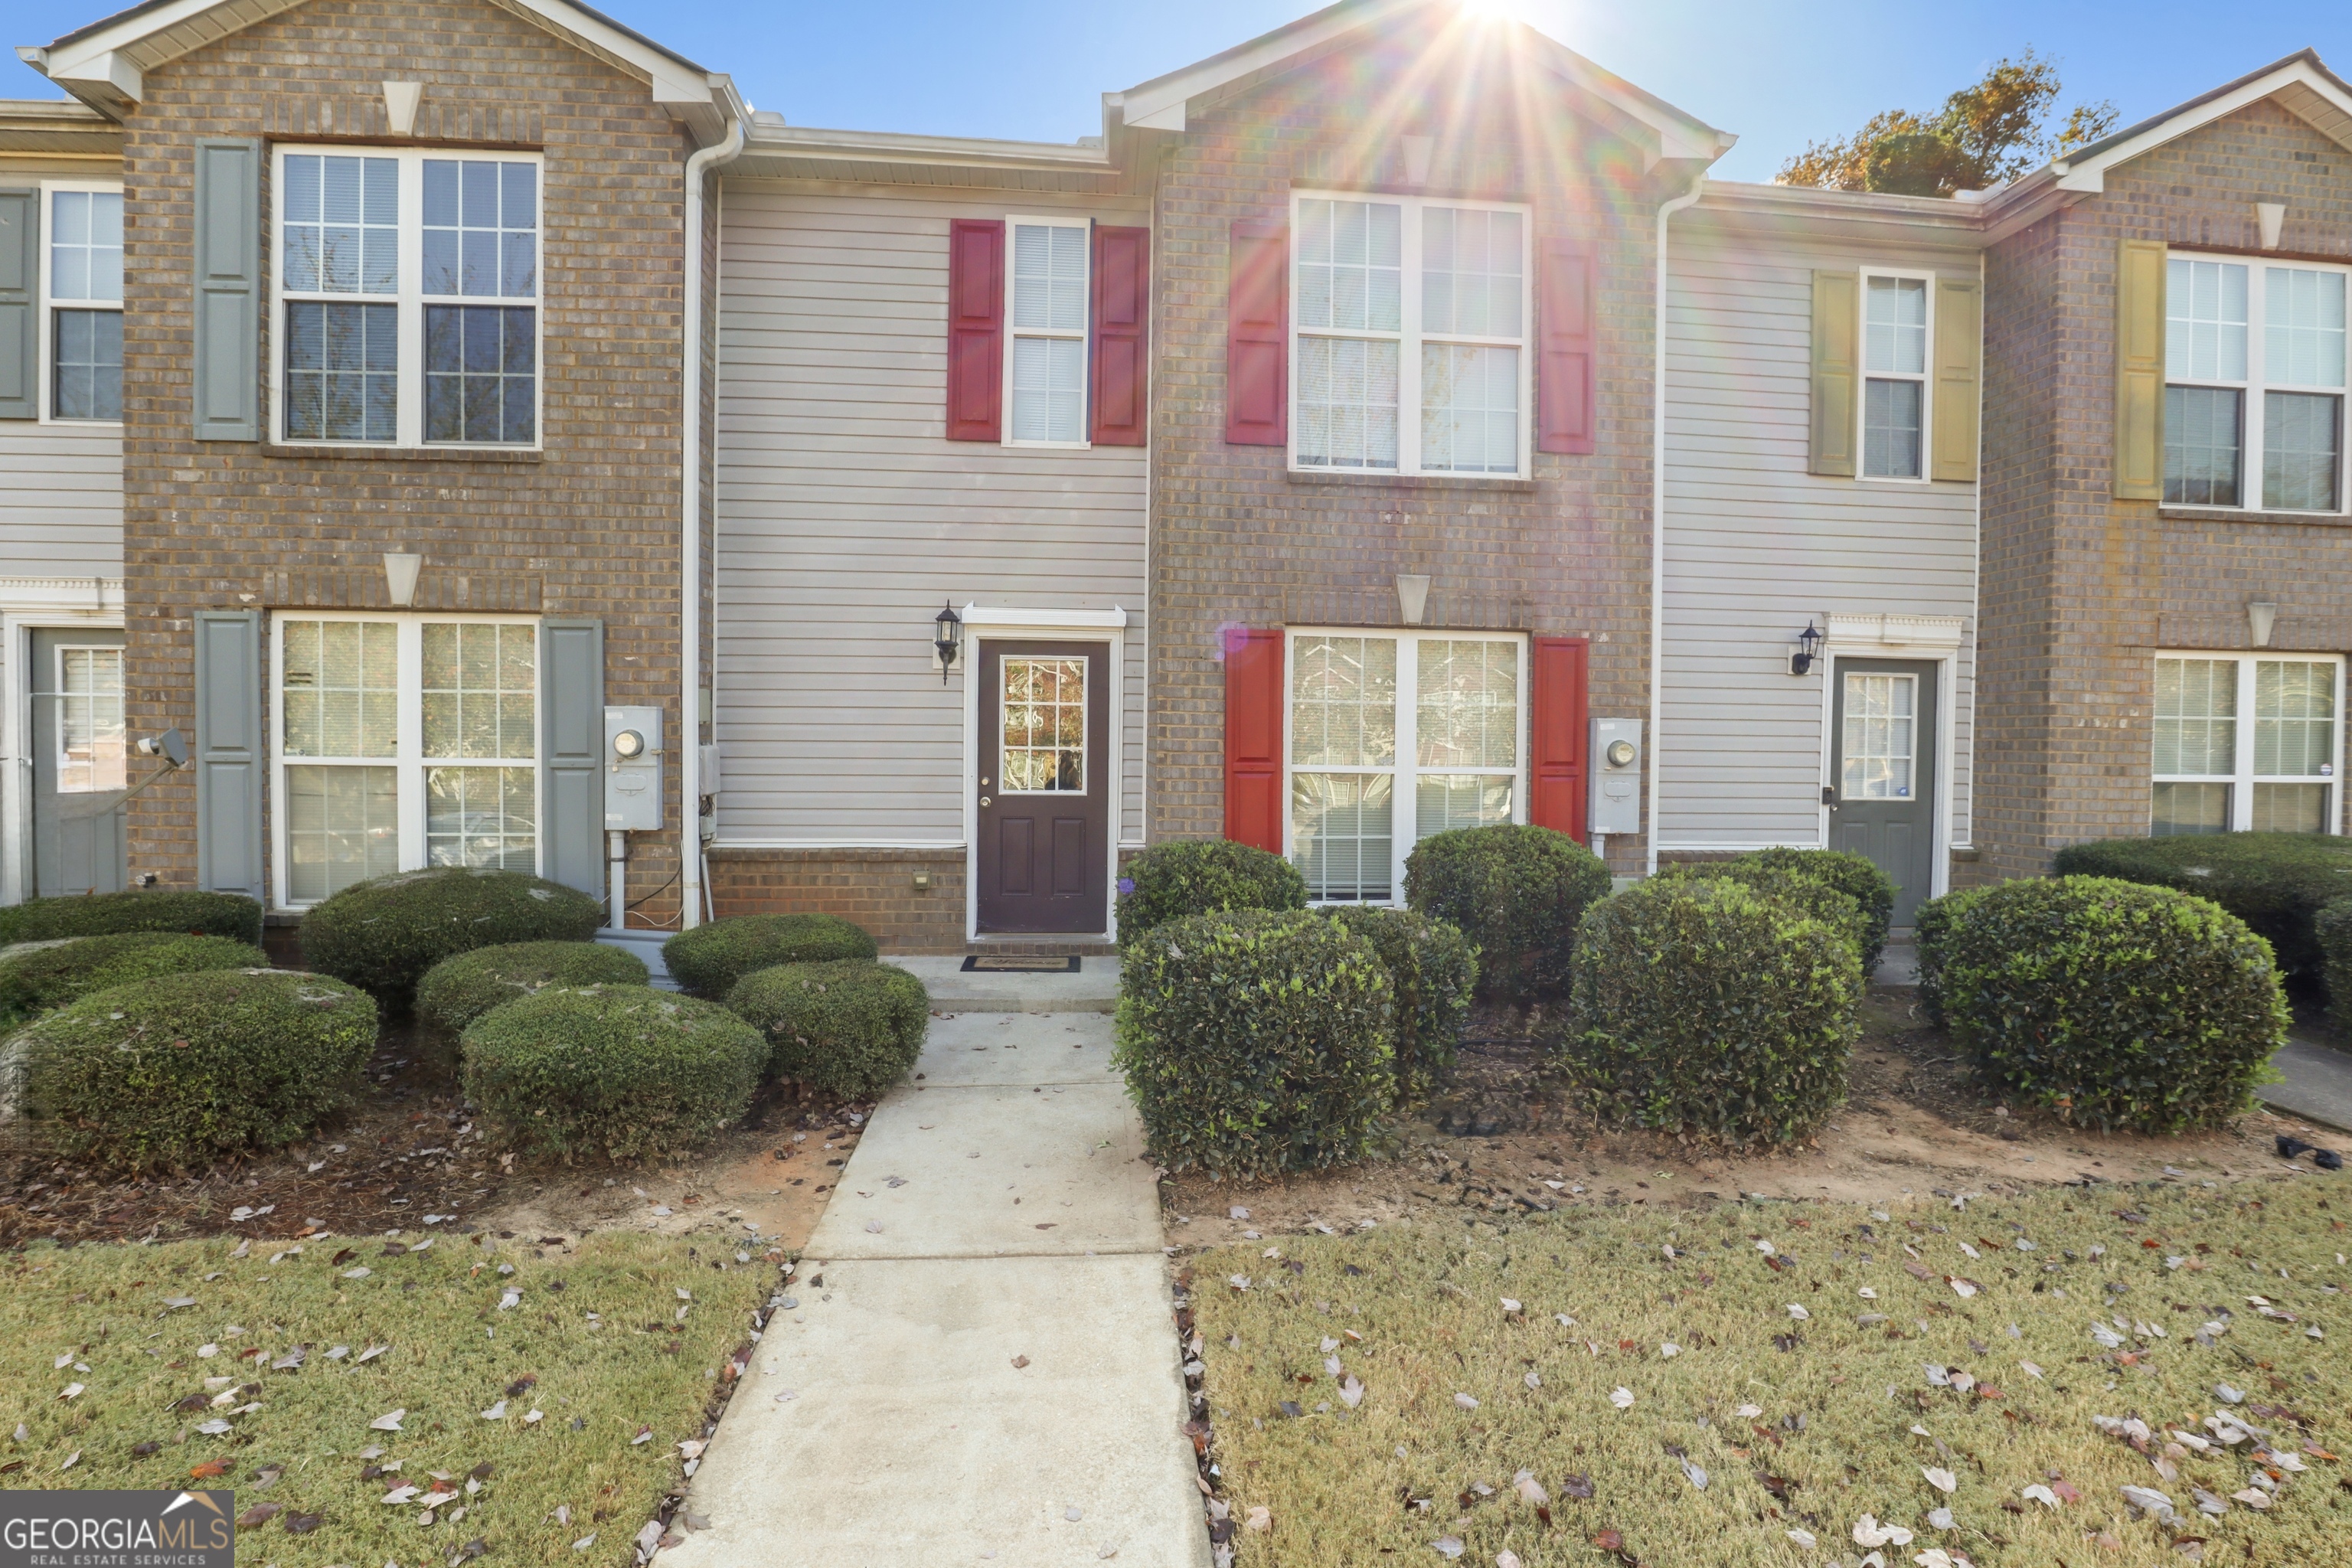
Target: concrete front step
pixel 1093 989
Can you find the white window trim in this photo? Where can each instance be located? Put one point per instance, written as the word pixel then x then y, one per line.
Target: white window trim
pixel 1083 336
pixel 2250 413
pixel 1409 339
pixel 2243 778
pixel 49 305
pixel 409 298
pixel 1865 376
pixel 408 728
pixel 1403 821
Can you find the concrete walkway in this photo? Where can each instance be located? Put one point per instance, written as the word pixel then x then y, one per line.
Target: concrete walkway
pixel 954 989
pixel 2317 1085
pixel 980 1363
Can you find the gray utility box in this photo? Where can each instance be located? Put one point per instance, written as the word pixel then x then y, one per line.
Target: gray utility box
pixel 633 769
pixel 1616 777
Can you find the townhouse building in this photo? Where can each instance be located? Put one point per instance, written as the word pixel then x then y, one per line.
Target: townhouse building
pixel 487 441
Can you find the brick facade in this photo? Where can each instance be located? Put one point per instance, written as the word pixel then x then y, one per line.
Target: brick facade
pixel 2080 590
pixel 1237 540
pixel 588 527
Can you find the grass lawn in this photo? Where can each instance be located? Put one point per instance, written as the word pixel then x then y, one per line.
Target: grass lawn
pixel 597 1329
pixel 1836 1409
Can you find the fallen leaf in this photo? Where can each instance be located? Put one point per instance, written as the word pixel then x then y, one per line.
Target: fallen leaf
pixel 1941 1479
pixel 1576 1487
pixel 1448 1546
pixel 1465 1402
pixel 1019 1362
pixel 1608 1541
pixel 387 1423
pixel 2039 1493
pixel 1803 1538
pixel 259 1514
pixel 1260 1520
pixel 303 1523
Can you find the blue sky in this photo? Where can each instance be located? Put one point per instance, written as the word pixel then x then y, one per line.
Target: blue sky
pixel 1777 72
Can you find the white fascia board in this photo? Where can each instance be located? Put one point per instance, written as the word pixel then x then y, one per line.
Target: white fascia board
pixel 75 57
pixel 1111 620
pixel 109 73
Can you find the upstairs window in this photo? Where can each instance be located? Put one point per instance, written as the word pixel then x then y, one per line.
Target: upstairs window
pixel 2254 373
pixel 1047 367
pixel 84 258
pixel 1894 372
pixel 407 290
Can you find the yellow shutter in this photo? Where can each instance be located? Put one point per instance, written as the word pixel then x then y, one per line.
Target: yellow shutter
pixel 1837 370
pixel 2140 370
pixel 1960 334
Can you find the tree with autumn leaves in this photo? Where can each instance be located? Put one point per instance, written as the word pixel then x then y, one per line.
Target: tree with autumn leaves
pixel 1985 134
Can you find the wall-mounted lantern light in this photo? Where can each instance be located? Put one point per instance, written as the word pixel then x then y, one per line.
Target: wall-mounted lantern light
pixel 1809 648
pixel 947 638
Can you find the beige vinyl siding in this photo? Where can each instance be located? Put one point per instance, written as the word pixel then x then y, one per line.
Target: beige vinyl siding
pixel 1756 545
pixel 60 500
pixel 845 518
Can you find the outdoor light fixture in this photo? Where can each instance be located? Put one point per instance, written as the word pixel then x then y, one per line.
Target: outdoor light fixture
pixel 400 572
pixel 947 638
pixel 1809 648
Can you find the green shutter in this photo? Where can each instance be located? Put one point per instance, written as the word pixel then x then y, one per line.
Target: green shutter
pixel 20 276
pixel 572 753
pixel 2140 370
pixel 1837 370
pixel 230 753
pixel 1960 336
pixel 226 392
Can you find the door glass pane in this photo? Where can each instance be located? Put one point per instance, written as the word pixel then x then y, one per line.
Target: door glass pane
pixel 1351 265
pixel 2301 450
pixel 2290 808
pixel 2195 715
pixel 481 816
pixel 1878 739
pixel 1343 702
pixel 2302 340
pixel 2294 718
pixel 2202 445
pixel 478 690
pixel 1469 408
pixel 2204 320
pixel 1347 402
pixel 339 688
pixel 1044 711
pixel 1890 429
pixel 1341 835
pixel 1470 272
pixel 1467 714
pixel 2183 808
pixel 1441 801
pixel 89 719
pixel 343 825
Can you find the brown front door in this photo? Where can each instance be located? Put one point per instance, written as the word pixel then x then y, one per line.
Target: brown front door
pixel 1043 836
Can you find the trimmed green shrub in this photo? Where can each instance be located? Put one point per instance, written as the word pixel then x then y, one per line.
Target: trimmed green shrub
pixel 622 1070
pixel 1933 929
pixel 1808 895
pixel 1856 876
pixel 1255 1041
pixel 456 991
pixel 1202 877
pixel 2117 1004
pixel 2275 883
pixel 850 1027
pixel 1701 1005
pixel 711 959
pixel 382 935
pixel 37 977
pixel 1517 892
pixel 176 1070
pixel 106 914
pixel 1432 970
pixel 2333 926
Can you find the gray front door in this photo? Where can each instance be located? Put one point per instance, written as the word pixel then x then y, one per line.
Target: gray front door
pixel 1883 772
pixel 80 761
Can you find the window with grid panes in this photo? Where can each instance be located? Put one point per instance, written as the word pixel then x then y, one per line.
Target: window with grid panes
pixel 2254 372
pixel 1895 370
pixel 85 304
pixel 1047 367
pixel 2245 742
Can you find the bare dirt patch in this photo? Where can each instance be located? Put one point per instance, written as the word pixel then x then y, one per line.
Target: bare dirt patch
pixel 1505 1137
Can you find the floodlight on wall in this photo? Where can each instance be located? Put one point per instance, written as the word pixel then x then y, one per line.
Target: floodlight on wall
pixel 1413 597
pixel 400 570
pixel 2261 615
pixel 2270 218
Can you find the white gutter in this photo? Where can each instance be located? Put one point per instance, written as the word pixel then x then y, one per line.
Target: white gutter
pixel 690 604
pixel 1658 517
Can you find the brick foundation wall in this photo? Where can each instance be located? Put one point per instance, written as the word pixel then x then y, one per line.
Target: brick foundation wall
pixel 874 889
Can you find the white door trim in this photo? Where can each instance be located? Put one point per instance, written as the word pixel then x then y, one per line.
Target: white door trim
pixel 1945 656
pixel 28 605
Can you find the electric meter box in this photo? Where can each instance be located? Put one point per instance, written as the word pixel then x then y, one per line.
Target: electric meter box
pixel 1616 805
pixel 633 769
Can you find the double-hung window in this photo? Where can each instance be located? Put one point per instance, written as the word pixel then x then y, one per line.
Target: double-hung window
pixel 1409 351
pixel 408 285
pixel 1895 376
pixel 1045 374
pixel 403 742
pixel 2246 742
pixel 83 260
pixel 1394 736
pixel 2254 373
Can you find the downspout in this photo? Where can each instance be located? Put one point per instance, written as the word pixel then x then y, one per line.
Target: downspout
pixel 690 616
pixel 1658 516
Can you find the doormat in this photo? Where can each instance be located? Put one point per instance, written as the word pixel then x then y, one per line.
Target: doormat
pixel 1015 963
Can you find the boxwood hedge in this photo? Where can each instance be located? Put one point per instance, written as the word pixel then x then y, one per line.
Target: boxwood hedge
pixel 104 914
pixel 1856 876
pixel 1202 877
pixel 711 959
pixel 1808 894
pixel 2117 1004
pixel 2332 927
pixel 36 977
pixel 1432 970
pixel 850 1027
pixel 1932 930
pixel 1517 892
pixel 2275 883
pixel 456 991
pixel 1255 1041
pixel 382 935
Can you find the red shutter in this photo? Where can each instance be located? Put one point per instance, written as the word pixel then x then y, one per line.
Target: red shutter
pixel 1257 334
pixel 1557 766
pixel 976 329
pixel 1564 318
pixel 1254 737
pixel 1121 377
